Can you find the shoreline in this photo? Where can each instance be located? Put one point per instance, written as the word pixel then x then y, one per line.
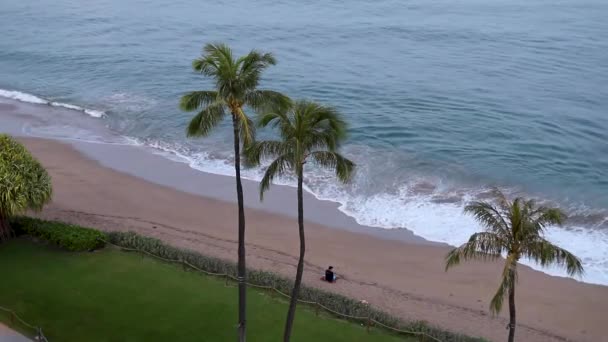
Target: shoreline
pixel 89 193
pixel 141 162
pixel 441 224
pixel 149 164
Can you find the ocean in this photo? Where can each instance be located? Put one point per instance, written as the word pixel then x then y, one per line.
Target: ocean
pixel 445 99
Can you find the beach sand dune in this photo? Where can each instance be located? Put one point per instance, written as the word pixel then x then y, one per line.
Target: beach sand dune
pixel 404 278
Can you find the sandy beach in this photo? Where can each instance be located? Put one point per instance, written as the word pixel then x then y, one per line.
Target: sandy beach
pixel 399 273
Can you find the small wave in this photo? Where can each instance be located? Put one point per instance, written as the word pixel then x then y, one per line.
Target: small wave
pixel 29 98
pixel 92 112
pixel 23 97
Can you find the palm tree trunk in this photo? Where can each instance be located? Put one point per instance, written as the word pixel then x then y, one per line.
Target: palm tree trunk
pixel 512 311
pixel 241 267
pixel 291 313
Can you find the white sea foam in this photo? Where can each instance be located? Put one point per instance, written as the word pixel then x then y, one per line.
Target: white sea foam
pixel 92 112
pixel 24 97
pixel 29 98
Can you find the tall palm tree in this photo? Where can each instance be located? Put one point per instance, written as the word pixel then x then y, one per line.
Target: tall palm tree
pixel 514 229
pixel 236 81
pixel 309 133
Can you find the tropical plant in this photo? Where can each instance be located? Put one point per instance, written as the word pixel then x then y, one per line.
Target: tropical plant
pixel 309 133
pixel 236 82
pixel 514 229
pixel 24 183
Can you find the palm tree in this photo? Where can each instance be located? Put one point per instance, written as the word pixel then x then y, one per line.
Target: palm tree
pixel 515 229
pixel 309 133
pixel 236 82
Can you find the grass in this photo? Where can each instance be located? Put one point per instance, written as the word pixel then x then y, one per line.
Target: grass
pixel 110 295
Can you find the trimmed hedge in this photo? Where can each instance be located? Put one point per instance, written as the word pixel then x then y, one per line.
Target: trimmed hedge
pixel 71 237
pixel 333 301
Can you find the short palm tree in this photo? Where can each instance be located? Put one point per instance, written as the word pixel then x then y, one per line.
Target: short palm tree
pixel 236 81
pixel 514 229
pixel 309 133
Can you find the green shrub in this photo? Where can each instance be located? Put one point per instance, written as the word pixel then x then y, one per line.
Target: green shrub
pixel 70 237
pixel 24 183
pixel 330 300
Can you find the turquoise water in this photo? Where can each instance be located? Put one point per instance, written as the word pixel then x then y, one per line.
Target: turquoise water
pixel 445 98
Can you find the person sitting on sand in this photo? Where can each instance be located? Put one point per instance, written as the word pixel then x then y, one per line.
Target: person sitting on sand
pixel 330 276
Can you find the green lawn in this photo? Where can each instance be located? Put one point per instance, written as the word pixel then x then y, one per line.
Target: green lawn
pixel 110 295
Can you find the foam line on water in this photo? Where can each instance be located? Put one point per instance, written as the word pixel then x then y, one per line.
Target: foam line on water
pixel 29 98
pixel 23 97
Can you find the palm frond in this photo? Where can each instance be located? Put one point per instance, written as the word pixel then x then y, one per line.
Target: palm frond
pixel 260 150
pixel 544 216
pixel 219 52
pixel 206 65
pixel 217 62
pixel 318 126
pixel 501 199
pixel 518 218
pixel 277 168
pixel 256 61
pixel 326 118
pixel 331 160
pixel 281 120
pixel 213 61
pixel 545 253
pixel 486 214
pixel 251 67
pixel 507 280
pixel 267 101
pixel 203 122
pixel 272 118
pixel 197 99
pixel 481 246
pixel 246 128
pixel 534 220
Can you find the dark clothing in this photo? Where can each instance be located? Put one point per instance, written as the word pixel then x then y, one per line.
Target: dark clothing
pixel 329 276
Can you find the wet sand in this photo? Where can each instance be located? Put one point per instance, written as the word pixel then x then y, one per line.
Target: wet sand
pixel 395 271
